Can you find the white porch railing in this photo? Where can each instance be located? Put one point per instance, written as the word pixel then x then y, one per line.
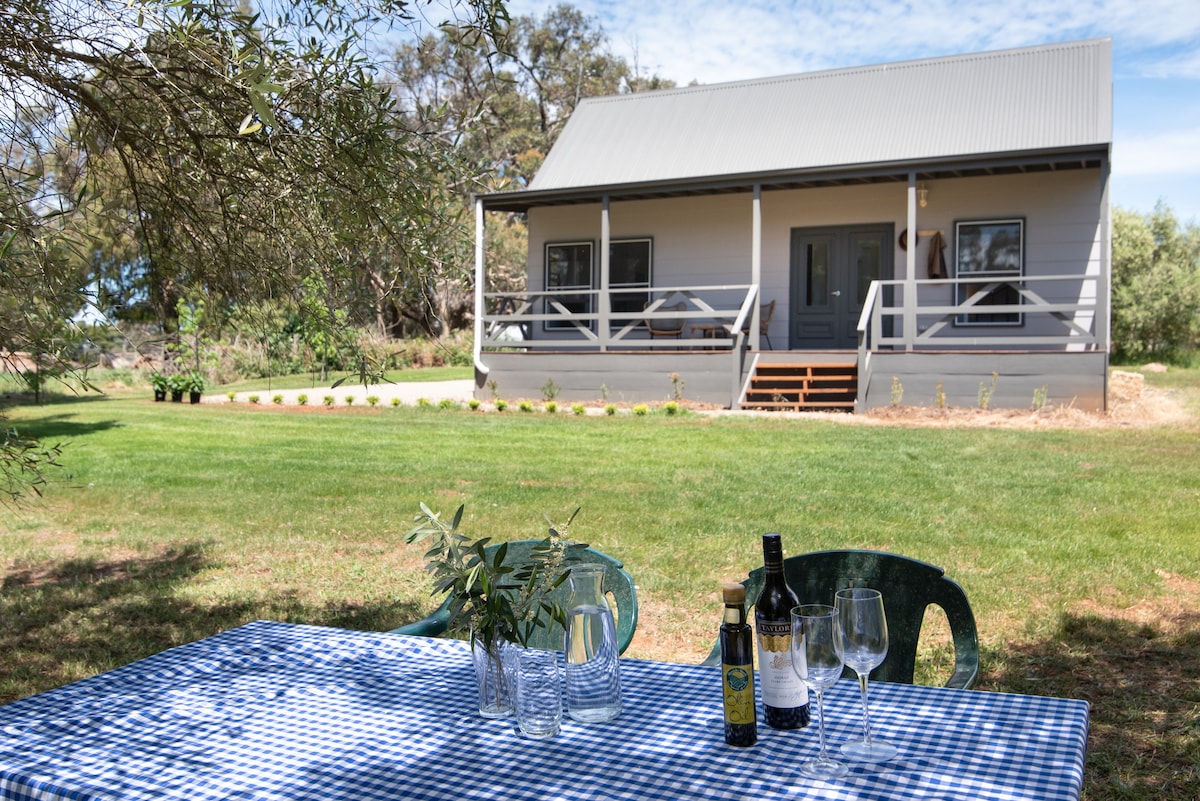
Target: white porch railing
pixel 711 316
pixel 905 322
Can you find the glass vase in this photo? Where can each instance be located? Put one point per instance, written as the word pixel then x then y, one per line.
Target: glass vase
pixel 494 677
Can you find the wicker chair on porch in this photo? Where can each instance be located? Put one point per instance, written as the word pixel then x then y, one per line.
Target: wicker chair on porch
pixel 667 327
pixel 765 312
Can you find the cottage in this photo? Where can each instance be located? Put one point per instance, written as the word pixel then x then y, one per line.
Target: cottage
pixel 939 228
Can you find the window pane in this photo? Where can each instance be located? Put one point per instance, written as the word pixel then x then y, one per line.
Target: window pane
pixel 569 266
pixel 868 263
pixel 817 274
pixel 629 266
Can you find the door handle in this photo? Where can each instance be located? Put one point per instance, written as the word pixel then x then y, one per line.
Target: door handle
pixel 837 293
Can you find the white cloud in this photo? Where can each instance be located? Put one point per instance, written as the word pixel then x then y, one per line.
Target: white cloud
pixel 719 41
pixel 1166 153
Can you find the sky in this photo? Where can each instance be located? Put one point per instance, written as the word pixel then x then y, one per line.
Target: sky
pixel 1156 59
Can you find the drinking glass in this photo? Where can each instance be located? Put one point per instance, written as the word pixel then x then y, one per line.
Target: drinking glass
pixel 818 664
pixel 861 638
pixel 539 693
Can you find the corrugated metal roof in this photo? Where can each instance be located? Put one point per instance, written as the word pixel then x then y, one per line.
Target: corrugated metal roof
pixel 1046 98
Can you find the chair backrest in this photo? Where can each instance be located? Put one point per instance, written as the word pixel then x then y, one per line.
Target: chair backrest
pixel 618 588
pixel 666 326
pixel 908 587
pixel 764 316
pixel 765 313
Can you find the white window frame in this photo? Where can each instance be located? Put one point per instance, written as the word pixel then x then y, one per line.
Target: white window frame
pixel 971 264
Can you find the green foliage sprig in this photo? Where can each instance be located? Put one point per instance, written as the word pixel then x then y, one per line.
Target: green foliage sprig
pixel 491 599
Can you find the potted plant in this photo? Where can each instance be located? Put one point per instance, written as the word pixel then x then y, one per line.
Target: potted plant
pixel 161 384
pixel 176 386
pixel 193 384
pixel 494 603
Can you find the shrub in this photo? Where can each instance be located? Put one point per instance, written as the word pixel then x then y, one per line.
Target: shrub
pixel 424 403
pixel 302 399
pixel 641 410
pixel 349 400
pixel 671 407
pixel 395 401
pixel 501 404
pixel 578 408
pixel 610 409
pixel 474 404
pixel 277 399
pixel 373 400
pixel 525 406
pixel 253 399
pixel 551 407
pixel 447 403
pixel 328 401
pixel 231 395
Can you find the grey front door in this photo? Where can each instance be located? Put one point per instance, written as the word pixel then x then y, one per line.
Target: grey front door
pixel 831 272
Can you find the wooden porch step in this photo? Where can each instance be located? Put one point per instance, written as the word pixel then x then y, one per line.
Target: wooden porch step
pixel 804 386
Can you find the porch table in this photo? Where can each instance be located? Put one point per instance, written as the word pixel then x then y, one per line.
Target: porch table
pixel 282 711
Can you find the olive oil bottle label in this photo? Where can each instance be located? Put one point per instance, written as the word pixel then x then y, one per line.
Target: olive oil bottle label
pixel 738 681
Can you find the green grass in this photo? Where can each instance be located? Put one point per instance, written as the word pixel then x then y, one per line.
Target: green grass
pixel 1078 548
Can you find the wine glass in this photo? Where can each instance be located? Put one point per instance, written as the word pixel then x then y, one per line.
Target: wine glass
pixel 818 664
pixel 861 638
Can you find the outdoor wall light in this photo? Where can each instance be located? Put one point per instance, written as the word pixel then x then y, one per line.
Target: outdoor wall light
pixel 922 195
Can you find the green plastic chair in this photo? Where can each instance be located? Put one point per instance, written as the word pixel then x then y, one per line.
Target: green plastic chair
pixel 618 588
pixel 908 587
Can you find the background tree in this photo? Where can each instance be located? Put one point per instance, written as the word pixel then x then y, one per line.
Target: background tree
pixel 1156 285
pixel 506 107
pixel 163 148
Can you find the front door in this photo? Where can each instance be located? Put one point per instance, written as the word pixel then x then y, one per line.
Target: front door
pixel 831 272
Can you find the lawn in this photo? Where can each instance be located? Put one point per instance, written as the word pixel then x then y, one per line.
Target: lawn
pixel 1079 549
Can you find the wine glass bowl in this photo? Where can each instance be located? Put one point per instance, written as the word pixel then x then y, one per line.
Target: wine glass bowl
pixel 861 639
pixel 818 664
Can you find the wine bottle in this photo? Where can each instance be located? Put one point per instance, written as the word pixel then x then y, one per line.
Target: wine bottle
pixel 785 698
pixel 737 669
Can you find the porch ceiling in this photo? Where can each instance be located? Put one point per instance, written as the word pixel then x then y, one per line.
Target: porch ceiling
pixel 1006 164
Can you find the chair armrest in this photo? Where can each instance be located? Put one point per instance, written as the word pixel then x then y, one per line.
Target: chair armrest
pixel 430 626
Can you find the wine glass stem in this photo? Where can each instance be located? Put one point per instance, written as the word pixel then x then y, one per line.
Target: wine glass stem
pixel 821 724
pixel 862 684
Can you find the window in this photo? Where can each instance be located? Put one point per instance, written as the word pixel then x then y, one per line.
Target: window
pixel 629 268
pixel 990 250
pixel 569 267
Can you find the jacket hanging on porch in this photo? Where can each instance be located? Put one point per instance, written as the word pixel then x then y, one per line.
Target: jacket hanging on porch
pixel 937 259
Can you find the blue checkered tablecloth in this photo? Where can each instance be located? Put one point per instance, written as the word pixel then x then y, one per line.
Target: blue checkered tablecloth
pixel 279 711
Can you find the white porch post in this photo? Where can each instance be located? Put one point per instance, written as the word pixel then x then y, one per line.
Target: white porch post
pixel 756 265
pixel 605 330
pixel 480 288
pixel 910 267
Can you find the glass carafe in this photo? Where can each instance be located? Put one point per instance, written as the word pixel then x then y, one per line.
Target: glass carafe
pixel 593 678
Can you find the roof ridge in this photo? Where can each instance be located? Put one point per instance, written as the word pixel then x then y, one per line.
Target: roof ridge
pixel 906 64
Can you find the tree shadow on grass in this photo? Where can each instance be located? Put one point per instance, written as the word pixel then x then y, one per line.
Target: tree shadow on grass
pixel 61 426
pixel 66 619
pixel 1143 683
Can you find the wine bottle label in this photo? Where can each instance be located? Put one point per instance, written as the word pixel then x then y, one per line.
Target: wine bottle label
pixel 738 681
pixel 781 685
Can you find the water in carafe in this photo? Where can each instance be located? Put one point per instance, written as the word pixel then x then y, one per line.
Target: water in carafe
pixel 593 677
